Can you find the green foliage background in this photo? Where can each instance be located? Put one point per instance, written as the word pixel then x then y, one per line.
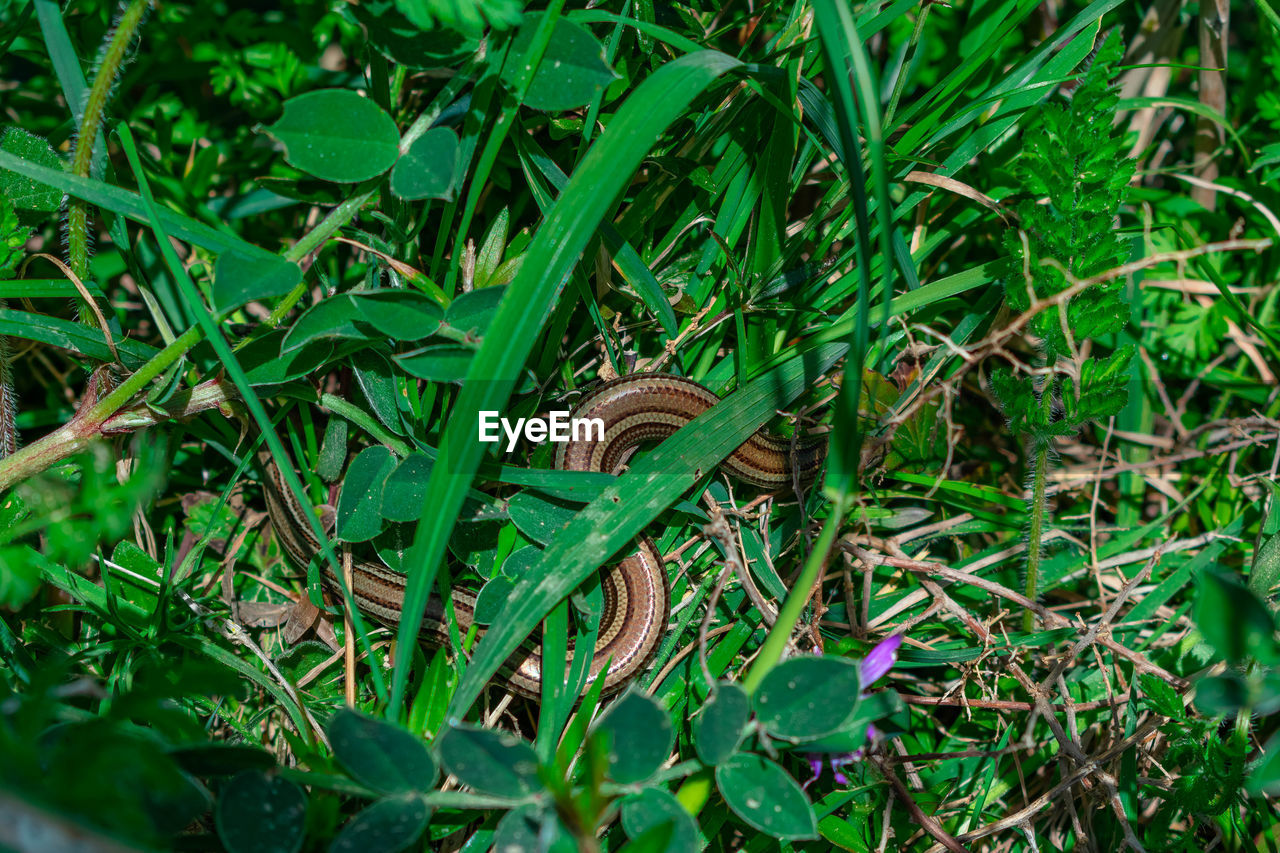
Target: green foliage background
pixel 1017 257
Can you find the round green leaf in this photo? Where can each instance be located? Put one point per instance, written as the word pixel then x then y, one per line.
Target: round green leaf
pixel 717 731
pixel 640 736
pixel 493 596
pixel 337 135
pixel 852 736
pixel 572 71
pixel 238 279
pixel 765 797
pixel 426 170
pixel 471 312
pixel 359 516
pixel 380 755
pixel 261 813
pixel 406 487
pixel 654 807
pixel 531 829
pixel 492 762
pixel 808 696
pixel 438 363
pixel 387 826
pixel 537 517
pixel 1233 619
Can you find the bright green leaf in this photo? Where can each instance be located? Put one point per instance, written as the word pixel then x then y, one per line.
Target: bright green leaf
pixel 807 696
pixel 572 71
pixel 337 135
pixel 438 363
pixel 653 807
pixel 426 170
pixel 718 729
pixel 359 516
pixel 387 826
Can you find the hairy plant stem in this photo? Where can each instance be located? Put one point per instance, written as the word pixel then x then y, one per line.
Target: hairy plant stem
pixel 76 434
pixel 95 110
pixel 1035 530
pixel 1039 476
pixel 8 399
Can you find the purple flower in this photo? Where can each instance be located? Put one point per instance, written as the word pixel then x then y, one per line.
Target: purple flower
pixel 874 666
pixel 837 761
pixel 879 660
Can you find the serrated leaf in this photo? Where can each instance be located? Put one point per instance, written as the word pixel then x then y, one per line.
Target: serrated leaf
pixel 1162 697
pixel 22 192
pixel 1103 388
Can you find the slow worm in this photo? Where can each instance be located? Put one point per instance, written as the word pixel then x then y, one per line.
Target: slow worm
pixel 634 409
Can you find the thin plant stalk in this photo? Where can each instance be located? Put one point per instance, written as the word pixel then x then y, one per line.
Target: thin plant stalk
pixel 95 111
pixel 1035 529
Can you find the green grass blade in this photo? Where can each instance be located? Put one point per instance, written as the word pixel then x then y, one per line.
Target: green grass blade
pixel 213 333
pixel 608 523
pixel 526 305
pixel 131 205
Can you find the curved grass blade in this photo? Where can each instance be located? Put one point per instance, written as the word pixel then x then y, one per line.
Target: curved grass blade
pixel 848 64
pixel 131 205
pixel 527 304
pixel 69 335
pixel 213 334
pixel 609 522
